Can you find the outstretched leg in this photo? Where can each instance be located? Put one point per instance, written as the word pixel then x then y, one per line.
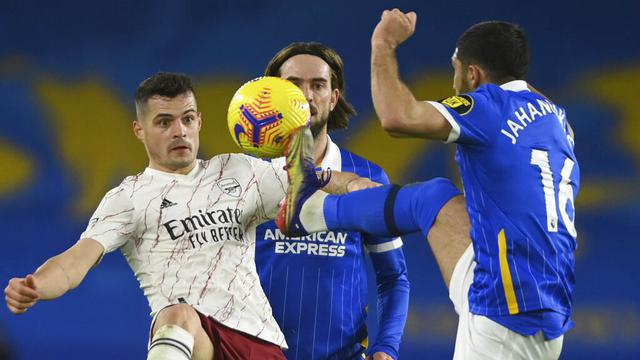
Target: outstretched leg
pixel 434 207
pixel 389 210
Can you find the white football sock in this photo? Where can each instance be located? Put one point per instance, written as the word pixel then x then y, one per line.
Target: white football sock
pixel 171 342
pixel 312 213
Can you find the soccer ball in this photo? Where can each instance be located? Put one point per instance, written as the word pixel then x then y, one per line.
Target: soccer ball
pixel 263 113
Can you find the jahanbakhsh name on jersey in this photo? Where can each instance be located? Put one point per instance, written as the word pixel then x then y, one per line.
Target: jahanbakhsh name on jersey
pixel 527 116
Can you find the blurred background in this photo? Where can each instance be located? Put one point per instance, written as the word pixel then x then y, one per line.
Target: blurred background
pixel 68 71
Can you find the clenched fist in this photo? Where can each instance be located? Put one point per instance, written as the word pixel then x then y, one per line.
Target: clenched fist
pixel 21 294
pixel 394 28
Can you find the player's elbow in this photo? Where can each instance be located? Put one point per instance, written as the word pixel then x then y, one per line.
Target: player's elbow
pixel 401 121
pixel 397 130
pixel 392 125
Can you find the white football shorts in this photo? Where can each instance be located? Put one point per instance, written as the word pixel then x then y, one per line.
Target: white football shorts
pixel 481 338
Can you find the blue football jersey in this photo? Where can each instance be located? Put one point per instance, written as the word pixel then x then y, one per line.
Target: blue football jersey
pixel 520 177
pixel 317 284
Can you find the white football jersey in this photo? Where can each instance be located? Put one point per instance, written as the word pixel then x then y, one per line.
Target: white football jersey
pixel 191 237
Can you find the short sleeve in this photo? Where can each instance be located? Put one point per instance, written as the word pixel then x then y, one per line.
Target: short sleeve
pixel 112 223
pixel 475 117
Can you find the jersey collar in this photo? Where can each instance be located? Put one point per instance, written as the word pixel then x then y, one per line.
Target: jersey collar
pixel 188 176
pixel 332 156
pixel 515 85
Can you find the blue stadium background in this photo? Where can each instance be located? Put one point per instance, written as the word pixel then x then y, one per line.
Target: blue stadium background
pixel 68 72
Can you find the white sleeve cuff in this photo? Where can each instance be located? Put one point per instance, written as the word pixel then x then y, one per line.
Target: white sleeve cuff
pixel 455 128
pixel 384 247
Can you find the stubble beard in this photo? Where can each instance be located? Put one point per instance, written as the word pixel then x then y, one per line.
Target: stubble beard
pixel 317 126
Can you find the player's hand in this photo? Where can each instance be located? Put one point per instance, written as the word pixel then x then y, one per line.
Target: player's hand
pixel 21 294
pixel 361 184
pixel 379 356
pixel 394 28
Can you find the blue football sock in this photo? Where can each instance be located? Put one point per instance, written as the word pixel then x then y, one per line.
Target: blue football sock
pixel 389 210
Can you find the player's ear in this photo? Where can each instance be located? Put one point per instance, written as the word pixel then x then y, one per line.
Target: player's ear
pixel 137 130
pixel 475 75
pixel 199 117
pixel 335 96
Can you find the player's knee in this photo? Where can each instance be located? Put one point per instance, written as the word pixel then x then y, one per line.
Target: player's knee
pixel 442 185
pixel 436 191
pixel 182 315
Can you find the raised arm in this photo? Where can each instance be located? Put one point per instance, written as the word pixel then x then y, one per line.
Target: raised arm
pixel 54 278
pixel 399 112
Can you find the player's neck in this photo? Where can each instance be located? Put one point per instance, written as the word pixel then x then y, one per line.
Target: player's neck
pixel 321 143
pixel 182 171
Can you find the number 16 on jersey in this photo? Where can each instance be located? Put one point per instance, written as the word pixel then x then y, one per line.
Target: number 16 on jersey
pixel 540 158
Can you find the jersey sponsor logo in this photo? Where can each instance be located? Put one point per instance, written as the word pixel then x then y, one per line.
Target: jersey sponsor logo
pixel 230 187
pixel 462 104
pixel 207 226
pixel 167 203
pixel 326 243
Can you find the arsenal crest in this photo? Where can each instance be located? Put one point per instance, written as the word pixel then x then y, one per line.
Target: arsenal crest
pixel 230 187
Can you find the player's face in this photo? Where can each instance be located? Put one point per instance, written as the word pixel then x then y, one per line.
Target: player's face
pixel 461 82
pixel 313 77
pixel 169 129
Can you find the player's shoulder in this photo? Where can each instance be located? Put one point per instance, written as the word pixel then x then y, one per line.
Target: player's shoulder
pixel 237 159
pixel 486 99
pixel 239 162
pixel 491 92
pixel 352 162
pixel 128 182
pixel 491 98
pixel 123 192
pixel 511 89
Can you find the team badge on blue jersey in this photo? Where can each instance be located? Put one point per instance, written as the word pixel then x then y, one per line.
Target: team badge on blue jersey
pixel 462 104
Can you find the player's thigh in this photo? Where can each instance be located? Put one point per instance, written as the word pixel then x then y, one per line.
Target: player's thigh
pixel 449 236
pixel 202 347
pixel 186 317
pixel 460 281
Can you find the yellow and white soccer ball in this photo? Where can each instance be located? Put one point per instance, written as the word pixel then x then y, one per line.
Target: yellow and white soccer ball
pixel 263 113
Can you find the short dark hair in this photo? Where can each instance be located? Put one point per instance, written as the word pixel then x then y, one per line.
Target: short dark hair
pixel 499 48
pixel 163 84
pixel 343 111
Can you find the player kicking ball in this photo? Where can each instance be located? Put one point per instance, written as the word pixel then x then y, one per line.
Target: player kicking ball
pixel 513 288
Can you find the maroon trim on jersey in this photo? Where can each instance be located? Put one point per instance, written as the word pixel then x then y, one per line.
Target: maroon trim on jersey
pixel 231 344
